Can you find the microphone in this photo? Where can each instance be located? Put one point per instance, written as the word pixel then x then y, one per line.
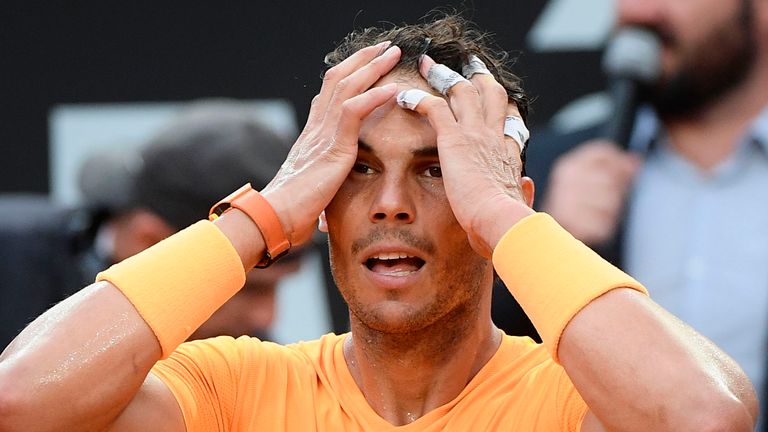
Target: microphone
pixel 632 58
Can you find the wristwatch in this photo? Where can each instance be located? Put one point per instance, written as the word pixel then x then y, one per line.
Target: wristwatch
pixel 252 203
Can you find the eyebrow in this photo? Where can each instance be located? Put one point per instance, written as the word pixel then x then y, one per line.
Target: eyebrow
pixel 427 151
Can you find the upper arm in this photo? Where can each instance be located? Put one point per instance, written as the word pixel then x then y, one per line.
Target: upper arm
pixel 154 405
pixel 591 424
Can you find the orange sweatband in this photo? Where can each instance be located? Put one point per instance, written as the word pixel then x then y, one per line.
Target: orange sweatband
pixel 177 284
pixel 552 275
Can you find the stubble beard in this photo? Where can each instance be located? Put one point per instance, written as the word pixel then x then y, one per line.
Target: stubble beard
pixel 720 63
pixel 461 283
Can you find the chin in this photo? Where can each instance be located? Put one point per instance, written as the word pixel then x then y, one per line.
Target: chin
pixel 396 317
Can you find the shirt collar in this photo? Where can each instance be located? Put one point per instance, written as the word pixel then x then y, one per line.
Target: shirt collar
pixel 759 130
pixel 648 130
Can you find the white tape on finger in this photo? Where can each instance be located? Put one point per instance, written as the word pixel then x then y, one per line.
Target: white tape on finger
pixel 514 127
pixel 475 66
pixel 442 78
pixel 410 98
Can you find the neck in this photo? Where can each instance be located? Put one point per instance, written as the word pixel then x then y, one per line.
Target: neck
pixel 709 136
pixel 404 376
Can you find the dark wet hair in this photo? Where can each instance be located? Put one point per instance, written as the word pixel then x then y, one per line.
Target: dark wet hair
pixel 449 39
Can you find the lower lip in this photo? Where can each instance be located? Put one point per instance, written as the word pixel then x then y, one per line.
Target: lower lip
pixel 394 280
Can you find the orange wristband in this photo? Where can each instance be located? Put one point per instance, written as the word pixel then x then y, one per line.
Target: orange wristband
pixel 552 275
pixel 177 284
pixel 263 215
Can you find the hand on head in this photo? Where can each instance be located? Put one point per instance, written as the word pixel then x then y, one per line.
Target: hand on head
pixel 479 149
pixel 326 150
pixel 480 161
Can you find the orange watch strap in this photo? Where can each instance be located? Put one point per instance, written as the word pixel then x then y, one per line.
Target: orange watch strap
pixel 263 215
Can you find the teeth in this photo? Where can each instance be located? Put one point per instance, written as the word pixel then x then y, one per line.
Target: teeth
pixel 391 255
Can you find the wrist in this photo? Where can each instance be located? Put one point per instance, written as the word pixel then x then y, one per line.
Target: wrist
pixel 261 212
pixel 244 235
pixel 503 216
pixel 553 276
pixel 178 283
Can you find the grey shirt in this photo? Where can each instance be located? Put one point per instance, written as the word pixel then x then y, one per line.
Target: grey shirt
pixel 699 240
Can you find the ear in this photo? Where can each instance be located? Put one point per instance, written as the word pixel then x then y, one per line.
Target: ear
pixel 528 189
pixel 322 223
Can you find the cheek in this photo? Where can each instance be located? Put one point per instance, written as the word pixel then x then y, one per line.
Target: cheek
pixel 347 206
pixel 342 216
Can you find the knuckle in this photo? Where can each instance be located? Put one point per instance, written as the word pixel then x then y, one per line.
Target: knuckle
pixel 498 92
pixel 342 85
pixel 331 74
pixel 465 89
pixel 348 107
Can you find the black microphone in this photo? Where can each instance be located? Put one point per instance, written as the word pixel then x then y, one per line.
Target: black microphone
pixel 632 58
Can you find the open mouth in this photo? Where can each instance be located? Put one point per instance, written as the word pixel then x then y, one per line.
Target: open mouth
pixel 394 264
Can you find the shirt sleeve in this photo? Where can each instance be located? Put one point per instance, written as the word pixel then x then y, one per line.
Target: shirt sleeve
pixel 549 403
pixel 203 377
pixel 570 405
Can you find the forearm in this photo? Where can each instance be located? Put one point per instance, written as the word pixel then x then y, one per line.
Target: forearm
pixel 83 361
pixel 640 368
pixel 637 367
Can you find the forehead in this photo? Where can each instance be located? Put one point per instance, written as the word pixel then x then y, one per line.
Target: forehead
pixel 390 127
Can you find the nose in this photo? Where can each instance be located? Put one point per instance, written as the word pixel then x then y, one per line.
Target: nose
pixel 638 12
pixel 392 201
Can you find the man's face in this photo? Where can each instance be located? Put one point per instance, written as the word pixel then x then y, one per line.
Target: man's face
pixel 708 48
pixel 399 257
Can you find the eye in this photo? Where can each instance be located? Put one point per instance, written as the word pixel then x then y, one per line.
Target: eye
pixel 362 168
pixel 434 171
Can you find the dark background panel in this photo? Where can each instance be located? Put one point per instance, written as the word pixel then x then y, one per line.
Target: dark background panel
pixel 90 52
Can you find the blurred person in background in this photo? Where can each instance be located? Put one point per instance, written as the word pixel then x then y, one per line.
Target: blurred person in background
pixel 684 208
pixel 133 200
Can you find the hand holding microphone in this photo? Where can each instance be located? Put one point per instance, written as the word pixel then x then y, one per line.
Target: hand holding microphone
pixel 588 185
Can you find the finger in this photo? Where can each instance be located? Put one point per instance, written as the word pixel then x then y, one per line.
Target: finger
pixel 355 109
pixel 361 80
pixel 604 156
pixel 435 108
pixel 335 74
pixel 605 212
pixel 463 97
pixel 631 164
pixel 473 67
pixel 492 93
pixel 600 151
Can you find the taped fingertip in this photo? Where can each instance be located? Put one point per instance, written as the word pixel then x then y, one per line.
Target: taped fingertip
pixel 514 127
pixel 410 99
pixel 442 78
pixel 475 66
